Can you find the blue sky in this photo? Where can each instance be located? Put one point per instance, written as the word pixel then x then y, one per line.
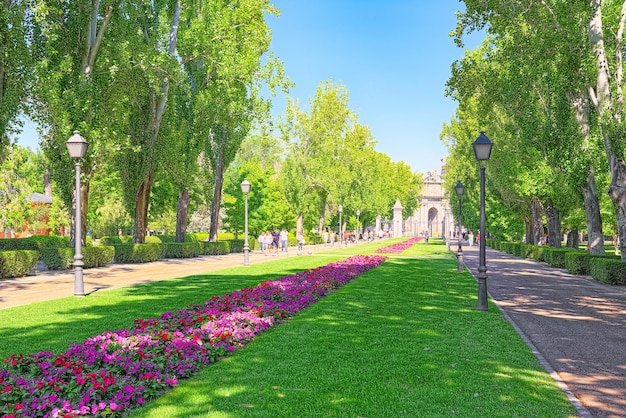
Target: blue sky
pixel 393 57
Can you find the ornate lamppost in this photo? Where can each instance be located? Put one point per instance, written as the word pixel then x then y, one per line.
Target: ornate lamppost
pixel 459 188
pixel 77 148
pixel 482 151
pixel 245 188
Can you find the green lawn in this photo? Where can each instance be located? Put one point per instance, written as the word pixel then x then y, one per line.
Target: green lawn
pixel 405 339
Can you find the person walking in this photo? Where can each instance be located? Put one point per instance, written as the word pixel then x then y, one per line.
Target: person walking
pixel 470 238
pixel 332 238
pixel 325 237
pixel 261 240
pixel 284 240
pixel 275 240
pixel 300 238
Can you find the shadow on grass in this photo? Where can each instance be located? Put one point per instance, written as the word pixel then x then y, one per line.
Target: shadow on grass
pixel 403 340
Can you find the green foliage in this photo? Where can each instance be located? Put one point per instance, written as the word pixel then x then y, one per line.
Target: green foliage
pixel 538 252
pixel 556 256
pixel 56 258
pixel 215 248
pixel 116 240
pixel 17 263
pixel 8 244
pixel 182 249
pixel 577 262
pixel 138 253
pixel 98 256
pixel 608 270
pixel 45 241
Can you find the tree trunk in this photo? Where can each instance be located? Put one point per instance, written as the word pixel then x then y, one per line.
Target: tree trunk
pixel 182 213
pixel 537 212
pixel 592 213
pixel 217 194
pixel 609 111
pixel 572 239
pixel 300 224
pixel 528 223
pixel 142 200
pixel 554 225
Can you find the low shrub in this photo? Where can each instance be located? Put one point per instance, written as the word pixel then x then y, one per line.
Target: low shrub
pixel 538 252
pixel 115 240
pixel 182 249
pixel 556 256
pixel 138 253
pixel 17 263
pixel 526 250
pixel 99 256
pixel 57 258
pixel 577 262
pixel 50 241
pixel 607 270
pixel 63 258
pixel 214 248
pixel 236 245
pixel 13 244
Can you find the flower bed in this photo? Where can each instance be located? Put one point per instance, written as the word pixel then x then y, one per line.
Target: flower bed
pixel 399 247
pixel 119 370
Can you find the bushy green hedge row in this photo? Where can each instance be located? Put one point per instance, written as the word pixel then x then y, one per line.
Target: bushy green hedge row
pixel 607 269
pixel 63 258
pixel 17 263
pixel 138 253
pixel 56 255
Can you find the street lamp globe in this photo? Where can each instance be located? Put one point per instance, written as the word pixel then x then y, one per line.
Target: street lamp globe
pixel 482 147
pixel 77 146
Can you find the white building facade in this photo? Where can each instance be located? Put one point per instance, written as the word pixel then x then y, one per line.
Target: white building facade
pixel 434 213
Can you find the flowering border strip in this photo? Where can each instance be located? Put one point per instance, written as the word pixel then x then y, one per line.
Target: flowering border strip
pixel 399 247
pixel 118 370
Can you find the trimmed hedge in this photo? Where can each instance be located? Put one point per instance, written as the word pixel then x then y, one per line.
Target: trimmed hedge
pixel 538 252
pixel 577 262
pixel 214 248
pixel 182 249
pixel 17 263
pixel 99 256
pixel 14 244
pixel 115 240
pixel 138 253
pixel 607 270
pixel 526 250
pixel 57 258
pixel 556 256
pixel 63 258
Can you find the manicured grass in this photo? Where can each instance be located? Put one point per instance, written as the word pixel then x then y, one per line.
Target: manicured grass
pixel 405 339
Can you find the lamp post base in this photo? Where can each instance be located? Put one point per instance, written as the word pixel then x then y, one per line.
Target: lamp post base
pixel 459 256
pixel 482 291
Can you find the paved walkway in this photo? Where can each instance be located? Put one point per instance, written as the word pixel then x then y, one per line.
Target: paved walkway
pixel 575 325
pixel 48 285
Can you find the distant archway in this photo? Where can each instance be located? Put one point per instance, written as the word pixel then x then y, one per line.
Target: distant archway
pixel 433 214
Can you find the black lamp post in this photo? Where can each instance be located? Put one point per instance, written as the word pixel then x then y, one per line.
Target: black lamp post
pixel 245 188
pixel 482 152
pixel 340 234
pixel 77 148
pixel 459 188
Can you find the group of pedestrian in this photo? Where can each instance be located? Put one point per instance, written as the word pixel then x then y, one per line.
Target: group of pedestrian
pixel 270 242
